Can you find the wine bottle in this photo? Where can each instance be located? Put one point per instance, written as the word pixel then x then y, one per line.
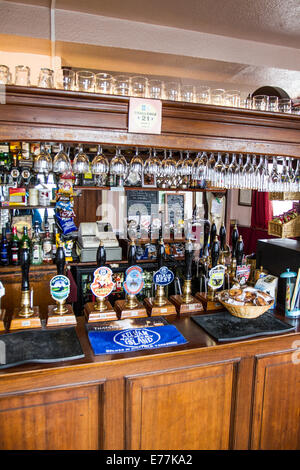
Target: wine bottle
pixel 4 258
pixel 47 247
pixel 25 238
pixel 15 248
pixel 36 247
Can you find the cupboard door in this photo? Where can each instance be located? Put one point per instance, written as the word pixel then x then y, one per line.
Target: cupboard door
pixel 62 419
pixel 183 409
pixel 276 409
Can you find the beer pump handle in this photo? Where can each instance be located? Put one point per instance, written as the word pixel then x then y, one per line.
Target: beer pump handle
pixel 215 252
pixel 160 253
pixel 234 239
pixel 239 251
pixel 223 237
pixel 189 254
pixel 131 256
pixel 25 263
pixel 101 255
pixel 213 233
pixel 206 231
pixel 60 260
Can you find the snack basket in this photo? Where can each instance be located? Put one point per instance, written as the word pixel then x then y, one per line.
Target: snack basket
pixel 289 229
pixel 245 311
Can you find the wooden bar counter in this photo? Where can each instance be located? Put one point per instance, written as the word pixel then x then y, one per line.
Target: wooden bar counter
pixel 202 395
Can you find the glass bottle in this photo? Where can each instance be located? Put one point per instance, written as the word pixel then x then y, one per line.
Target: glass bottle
pixel 15 248
pixel 36 247
pixel 47 247
pixel 4 258
pixel 25 237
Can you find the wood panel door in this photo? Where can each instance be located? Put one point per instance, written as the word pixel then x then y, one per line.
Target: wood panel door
pixel 63 419
pixel 276 410
pixel 182 409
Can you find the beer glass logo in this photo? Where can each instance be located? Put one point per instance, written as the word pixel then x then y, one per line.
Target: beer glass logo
pixel 140 337
pixel 2 352
pixel 60 287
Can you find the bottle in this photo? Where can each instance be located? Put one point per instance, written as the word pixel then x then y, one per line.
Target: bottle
pixel 54 247
pixel 25 237
pixel 36 247
pixel 234 239
pixel 15 248
pixel 47 247
pixel 4 258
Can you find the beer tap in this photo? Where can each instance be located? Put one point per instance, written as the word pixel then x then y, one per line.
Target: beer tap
pixel 187 284
pixel 101 304
pixel 26 309
pixel 131 300
pixel 60 261
pixel 160 298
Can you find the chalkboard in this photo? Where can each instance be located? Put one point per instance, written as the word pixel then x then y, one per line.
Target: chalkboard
pixel 142 201
pixel 175 206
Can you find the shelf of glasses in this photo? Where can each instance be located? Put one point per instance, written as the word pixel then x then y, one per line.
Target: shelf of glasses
pixel 147 188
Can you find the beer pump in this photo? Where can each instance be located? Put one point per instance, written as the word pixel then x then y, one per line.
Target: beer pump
pixel 101 287
pixel 186 303
pixel 214 279
pixel 130 307
pixel 2 310
pixel 61 313
pixel 160 305
pixel 26 316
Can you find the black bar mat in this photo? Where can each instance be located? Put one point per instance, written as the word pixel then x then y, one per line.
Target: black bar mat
pixel 223 326
pixel 59 344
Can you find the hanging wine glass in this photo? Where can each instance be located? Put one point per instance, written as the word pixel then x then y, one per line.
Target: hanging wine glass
pixel 100 167
pixel 43 161
pixel 224 172
pixel 168 170
pixel 152 166
pixel 211 167
pixel 260 174
pixel 252 179
pixel 291 173
pixel 285 179
pixel 135 171
pixel 274 185
pixel 297 177
pixel 179 171
pixel 61 162
pixel 118 167
pixel 218 172
pixel 232 172
pixel 246 173
pixel 187 169
pixel 199 169
pixel 81 163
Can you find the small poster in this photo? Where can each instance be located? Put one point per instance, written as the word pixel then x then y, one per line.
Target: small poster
pixel 134 281
pixel 59 288
pixel 163 276
pixel 144 116
pixel 102 284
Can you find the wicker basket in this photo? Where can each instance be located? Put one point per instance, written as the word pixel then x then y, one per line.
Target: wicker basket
pixel 286 196
pixel 290 229
pixel 246 311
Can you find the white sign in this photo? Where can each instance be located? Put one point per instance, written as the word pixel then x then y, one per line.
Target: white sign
pixel 144 116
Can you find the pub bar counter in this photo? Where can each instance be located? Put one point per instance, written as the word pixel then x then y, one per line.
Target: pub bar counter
pixel 204 394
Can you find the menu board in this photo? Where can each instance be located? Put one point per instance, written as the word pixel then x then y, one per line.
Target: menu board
pixel 142 201
pixel 175 206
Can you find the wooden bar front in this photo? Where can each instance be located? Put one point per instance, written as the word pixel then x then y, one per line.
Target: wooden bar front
pixel 202 395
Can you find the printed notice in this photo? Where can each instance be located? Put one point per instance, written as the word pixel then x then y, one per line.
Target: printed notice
pixel 144 116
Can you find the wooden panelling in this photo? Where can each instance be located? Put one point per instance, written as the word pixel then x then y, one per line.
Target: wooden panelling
pixel 185 409
pixel 66 419
pixel 58 115
pixel 85 206
pixel 276 410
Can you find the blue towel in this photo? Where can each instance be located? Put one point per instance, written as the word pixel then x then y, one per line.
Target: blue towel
pixel 135 339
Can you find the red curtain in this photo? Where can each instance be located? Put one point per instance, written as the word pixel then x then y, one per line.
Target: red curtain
pixel 262 210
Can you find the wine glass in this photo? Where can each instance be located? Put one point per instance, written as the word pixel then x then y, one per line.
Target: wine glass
pixel 246 171
pixel 119 167
pixel 152 166
pixel 100 167
pixel 135 170
pixel 232 172
pixel 274 184
pixel 81 163
pixel 218 172
pixel 61 162
pixel 224 172
pixel 43 161
pixel 210 167
pixel 260 174
pixel 168 169
pixel 285 178
pixel 199 168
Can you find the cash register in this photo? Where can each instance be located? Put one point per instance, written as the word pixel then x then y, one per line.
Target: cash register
pixel 89 236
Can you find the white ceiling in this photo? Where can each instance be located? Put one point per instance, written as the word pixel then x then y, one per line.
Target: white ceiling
pixel 250 42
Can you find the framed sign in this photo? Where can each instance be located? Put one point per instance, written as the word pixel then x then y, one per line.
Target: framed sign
pixel 245 197
pixel 174 203
pixel 144 116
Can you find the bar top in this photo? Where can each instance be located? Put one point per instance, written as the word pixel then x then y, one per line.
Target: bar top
pixel 197 340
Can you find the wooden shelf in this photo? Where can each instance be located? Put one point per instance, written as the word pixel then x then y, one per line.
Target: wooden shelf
pixel 140 188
